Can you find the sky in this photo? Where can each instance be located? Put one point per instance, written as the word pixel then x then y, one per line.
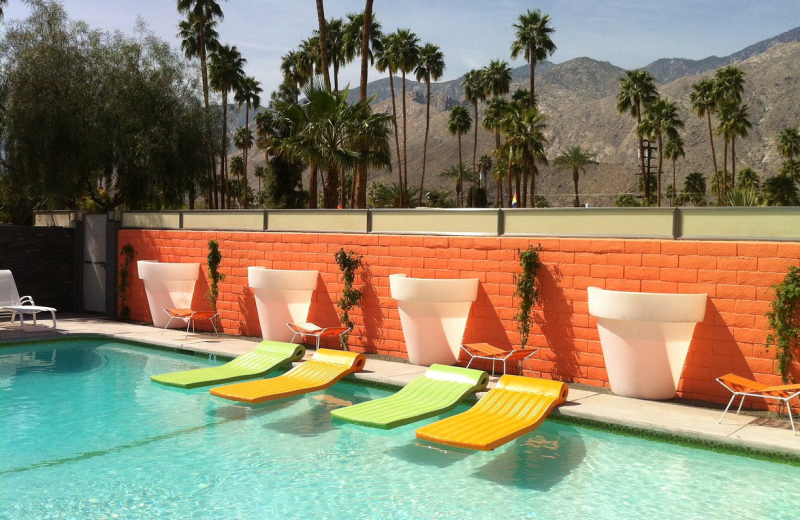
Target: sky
pixel 470 32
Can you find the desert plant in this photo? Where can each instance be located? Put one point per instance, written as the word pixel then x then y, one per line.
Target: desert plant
pixel 122 289
pixel 351 298
pixel 214 276
pixel 527 290
pixel 784 320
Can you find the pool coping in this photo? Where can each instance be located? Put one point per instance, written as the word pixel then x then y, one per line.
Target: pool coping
pixel 672 422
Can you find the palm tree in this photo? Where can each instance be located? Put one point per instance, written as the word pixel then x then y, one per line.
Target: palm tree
pixel 337 54
pixel 789 143
pixel 474 92
pixel 2 4
pixel 226 72
pixel 524 129
pixel 673 150
pixel 729 82
pixel 485 164
pixel 323 44
pixel 406 56
pixel 247 94
pixel 748 179
pixel 385 61
pixel 237 168
pixel 429 68
pixel 574 159
pixel 330 135
pixel 704 102
pixel 456 173
pixel 459 124
pixel 294 75
pixel 694 189
pixel 532 40
pixel 493 115
pixel 661 118
pixel 199 37
pixel 243 140
pixel 791 168
pixel 732 121
pixel 781 190
pixel 637 89
pixel 358 25
pixel 738 124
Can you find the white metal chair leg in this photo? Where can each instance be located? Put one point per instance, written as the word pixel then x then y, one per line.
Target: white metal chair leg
pixel 740 405
pixel 726 408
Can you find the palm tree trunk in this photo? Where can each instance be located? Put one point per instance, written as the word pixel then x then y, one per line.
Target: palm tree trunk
pixel 331 188
pixel 674 185
pixel 336 76
pixel 323 44
pixel 518 184
pixel 660 163
pixel 532 100
pixel 405 141
pixel 342 189
pixel 361 185
pixel 244 155
pixel 212 174
pixel 224 150
pixel 575 175
pixel 396 138
pixel 645 175
pixel 733 161
pixel 312 188
pixel 425 145
pixel 474 190
pixel 524 201
pixel 460 170
pixel 499 177
pixel 722 184
pixel 534 172
pixel 711 140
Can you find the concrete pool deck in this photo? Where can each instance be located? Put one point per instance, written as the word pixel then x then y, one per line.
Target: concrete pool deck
pixel 677 419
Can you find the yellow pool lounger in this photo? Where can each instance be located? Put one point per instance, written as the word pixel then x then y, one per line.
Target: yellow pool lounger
pixel 325 368
pixel 516 406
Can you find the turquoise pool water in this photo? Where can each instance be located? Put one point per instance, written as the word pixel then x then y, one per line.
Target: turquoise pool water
pixel 85 435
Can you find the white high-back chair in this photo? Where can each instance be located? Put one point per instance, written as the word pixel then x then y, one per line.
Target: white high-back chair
pixel 12 304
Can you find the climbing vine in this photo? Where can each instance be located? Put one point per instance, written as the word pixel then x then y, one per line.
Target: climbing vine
pixel 351 298
pixel 122 289
pixel 214 276
pixel 784 320
pixel 527 290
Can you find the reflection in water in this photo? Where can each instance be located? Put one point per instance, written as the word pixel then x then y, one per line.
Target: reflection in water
pixel 538 461
pixel 425 453
pixel 61 361
pixel 317 419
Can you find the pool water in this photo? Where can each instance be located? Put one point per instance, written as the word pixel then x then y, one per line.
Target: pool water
pixel 84 434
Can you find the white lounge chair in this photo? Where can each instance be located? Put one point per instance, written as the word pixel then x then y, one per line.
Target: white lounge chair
pixel 11 302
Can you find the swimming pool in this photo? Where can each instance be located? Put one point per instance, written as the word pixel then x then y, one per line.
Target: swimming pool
pixel 86 435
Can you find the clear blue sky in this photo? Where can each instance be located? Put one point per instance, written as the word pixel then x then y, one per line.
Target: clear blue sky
pixel 471 32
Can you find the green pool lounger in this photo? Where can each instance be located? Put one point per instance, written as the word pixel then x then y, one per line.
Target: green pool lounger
pixel 439 390
pixel 267 356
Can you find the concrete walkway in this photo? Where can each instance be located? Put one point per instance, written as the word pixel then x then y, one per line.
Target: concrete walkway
pixel 693 422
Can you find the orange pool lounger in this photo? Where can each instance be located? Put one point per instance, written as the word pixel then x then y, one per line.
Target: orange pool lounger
pixel 325 368
pixel 516 406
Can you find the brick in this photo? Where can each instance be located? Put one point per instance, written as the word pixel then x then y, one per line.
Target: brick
pixel 607 271
pixel 737 264
pixel 590 259
pixel 716 276
pixel 642 273
pixel 757 249
pixel 777 265
pixel 713 248
pixel 659 260
pixel 678 275
pixel 643 246
pixel 697 262
pixel 678 247
pixel 790 250
pixel 758 279
pixel 624 285
pixel 658 286
pixel 608 246
pixel 624 259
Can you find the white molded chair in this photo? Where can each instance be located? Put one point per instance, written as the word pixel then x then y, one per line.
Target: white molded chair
pixel 11 302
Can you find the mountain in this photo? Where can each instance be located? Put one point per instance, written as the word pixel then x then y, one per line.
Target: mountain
pixel 666 70
pixel 579 100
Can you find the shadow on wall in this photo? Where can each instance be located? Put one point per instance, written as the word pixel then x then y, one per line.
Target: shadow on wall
pixel 249 325
pixel 555 325
pixel 371 314
pixel 485 326
pixel 323 312
pixel 710 358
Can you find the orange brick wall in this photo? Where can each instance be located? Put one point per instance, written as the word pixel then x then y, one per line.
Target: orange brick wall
pixel 736 276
